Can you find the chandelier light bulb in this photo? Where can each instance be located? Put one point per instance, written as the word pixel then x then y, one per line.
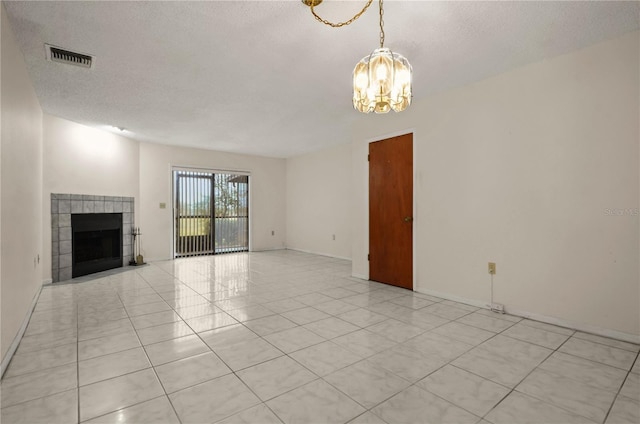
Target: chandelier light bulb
pixel 382 82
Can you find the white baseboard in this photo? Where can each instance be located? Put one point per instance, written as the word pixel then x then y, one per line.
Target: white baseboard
pixel 360 276
pixel 613 334
pixel 318 253
pixel 157 259
pixel 47 281
pixel 18 337
pixel 447 296
pixel 268 249
pixel 586 328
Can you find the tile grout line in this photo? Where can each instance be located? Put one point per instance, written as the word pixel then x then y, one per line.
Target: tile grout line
pixel 221 360
pixel 479 345
pixel 78 360
pixel 318 377
pixel 357 362
pixel 173 408
pixel 260 301
pixel 128 373
pixel 414 384
pixel 511 389
pixel 534 397
pixel 451 363
pixel 618 393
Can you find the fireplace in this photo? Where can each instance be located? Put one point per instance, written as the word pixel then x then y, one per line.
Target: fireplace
pixel 96 242
pixel 63 206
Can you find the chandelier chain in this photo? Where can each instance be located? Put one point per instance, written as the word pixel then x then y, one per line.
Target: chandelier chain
pixel 341 24
pixel 381 24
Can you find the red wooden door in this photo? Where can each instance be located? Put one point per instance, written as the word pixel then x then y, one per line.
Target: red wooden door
pixel 391 211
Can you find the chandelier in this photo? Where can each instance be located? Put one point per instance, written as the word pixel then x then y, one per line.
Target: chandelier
pixel 381 80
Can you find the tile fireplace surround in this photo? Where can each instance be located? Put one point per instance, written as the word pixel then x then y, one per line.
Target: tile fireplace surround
pixel 63 205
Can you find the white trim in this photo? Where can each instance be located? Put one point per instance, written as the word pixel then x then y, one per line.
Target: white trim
pixel 149 260
pixel 16 340
pixel 318 253
pixel 212 170
pixel 268 249
pixel 447 296
pixel 360 276
pixel 614 334
pixel 391 135
pixel 414 213
pixel 250 213
pixel 172 223
pixel 605 332
pixel 47 281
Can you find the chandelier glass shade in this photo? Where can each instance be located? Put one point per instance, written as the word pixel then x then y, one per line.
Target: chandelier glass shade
pixel 382 82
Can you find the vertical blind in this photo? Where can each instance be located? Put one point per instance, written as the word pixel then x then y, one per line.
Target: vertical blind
pixel 212 213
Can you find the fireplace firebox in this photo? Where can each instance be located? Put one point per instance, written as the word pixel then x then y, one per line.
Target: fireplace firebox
pixel 96 242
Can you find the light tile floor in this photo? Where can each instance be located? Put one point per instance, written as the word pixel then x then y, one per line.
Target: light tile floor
pixel 290 337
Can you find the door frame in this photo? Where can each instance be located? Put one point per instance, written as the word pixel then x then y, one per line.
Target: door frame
pixel 172 193
pixel 416 222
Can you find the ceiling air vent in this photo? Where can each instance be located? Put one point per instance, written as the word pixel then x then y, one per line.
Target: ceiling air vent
pixel 56 54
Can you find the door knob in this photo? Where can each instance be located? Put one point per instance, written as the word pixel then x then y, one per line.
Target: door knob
pixel 408 219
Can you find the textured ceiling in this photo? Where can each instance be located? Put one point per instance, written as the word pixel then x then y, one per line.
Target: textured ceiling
pixel 264 77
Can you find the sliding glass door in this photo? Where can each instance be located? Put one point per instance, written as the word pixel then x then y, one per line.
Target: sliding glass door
pixel 211 213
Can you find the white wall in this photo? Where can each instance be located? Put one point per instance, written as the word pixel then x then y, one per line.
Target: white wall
pixel 21 190
pixel 85 160
pixel 526 169
pixel 266 191
pixel 319 201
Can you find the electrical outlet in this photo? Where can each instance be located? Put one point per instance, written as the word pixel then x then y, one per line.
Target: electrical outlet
pixel 492 268
pixel 163 205
pixel 497 307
